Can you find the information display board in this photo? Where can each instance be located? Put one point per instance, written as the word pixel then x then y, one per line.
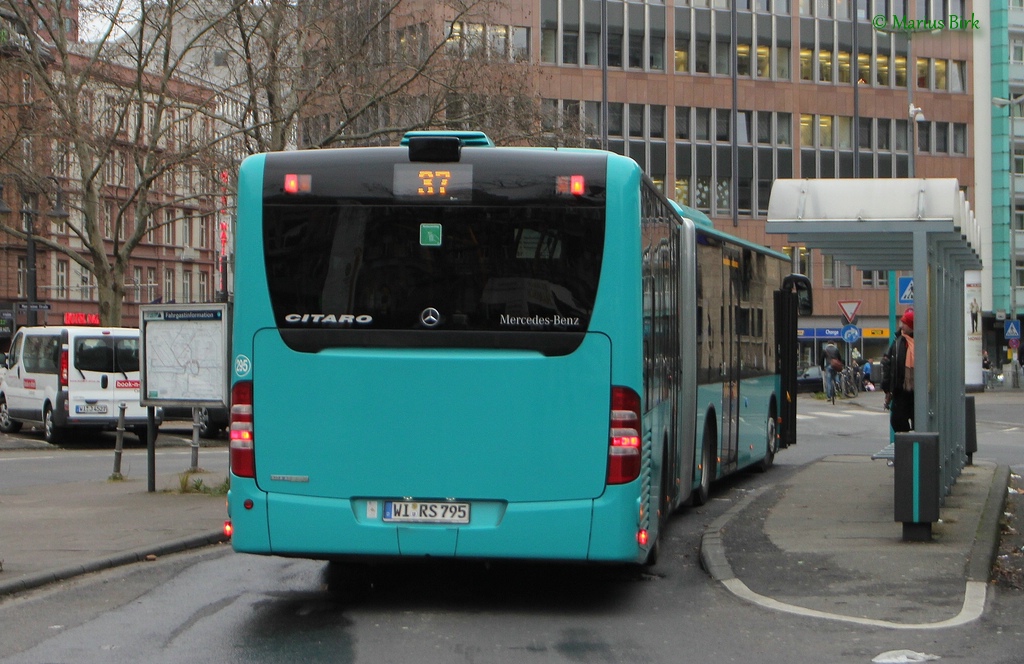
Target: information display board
pixel 184 354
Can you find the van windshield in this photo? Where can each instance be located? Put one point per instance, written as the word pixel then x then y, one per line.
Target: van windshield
pixel 107 354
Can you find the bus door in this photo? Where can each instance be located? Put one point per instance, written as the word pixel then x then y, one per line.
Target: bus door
pixel 730 360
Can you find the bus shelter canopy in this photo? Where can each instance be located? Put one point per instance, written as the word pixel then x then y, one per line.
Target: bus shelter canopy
pixel 923 226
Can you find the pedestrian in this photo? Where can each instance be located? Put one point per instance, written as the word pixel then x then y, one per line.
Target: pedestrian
pixel 898 375
pixel 866 373
pixel 831 364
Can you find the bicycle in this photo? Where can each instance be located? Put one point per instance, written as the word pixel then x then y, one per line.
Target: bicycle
pixel 848 381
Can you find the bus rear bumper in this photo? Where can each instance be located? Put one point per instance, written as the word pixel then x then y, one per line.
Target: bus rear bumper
pixel 324 528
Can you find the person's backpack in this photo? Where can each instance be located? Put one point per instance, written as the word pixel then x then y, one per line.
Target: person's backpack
pixel 908 367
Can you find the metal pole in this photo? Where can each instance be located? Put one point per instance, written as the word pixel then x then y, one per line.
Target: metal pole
pixel 1014 365
pixel 30 263
pixel 604 75
pixel 151 448
pixel 119 442
pixel 195 441
pixel 733 149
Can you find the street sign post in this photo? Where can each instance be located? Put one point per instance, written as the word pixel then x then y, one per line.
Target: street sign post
pixel 849 309
pixel 906 290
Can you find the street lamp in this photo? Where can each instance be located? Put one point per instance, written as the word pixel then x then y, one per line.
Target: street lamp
pixel 915 114
pixel 28 215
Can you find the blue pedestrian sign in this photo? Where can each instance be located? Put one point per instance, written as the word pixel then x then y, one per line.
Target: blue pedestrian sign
pixel 851 334
pixel 906 290
pixel 1011 329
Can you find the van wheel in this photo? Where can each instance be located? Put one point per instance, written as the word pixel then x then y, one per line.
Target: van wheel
pixel 143 434
pixel 206 428
pixel 51 432
pixel 7 425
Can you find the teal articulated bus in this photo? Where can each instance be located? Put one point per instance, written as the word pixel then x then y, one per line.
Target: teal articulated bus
pixel 457 350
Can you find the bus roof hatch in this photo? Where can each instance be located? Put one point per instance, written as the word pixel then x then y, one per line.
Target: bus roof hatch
pixel 442 145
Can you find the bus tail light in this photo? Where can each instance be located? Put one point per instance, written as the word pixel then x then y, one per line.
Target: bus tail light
pixel 624 436
pixel 63 369
pixel 243 452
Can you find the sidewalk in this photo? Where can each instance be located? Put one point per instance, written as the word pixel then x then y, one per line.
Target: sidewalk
pixel 825 544
pixel 56 532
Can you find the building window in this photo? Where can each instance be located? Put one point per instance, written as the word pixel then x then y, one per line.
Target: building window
pixel 85 285
pixel 924 137
pixel 957 76
pixel 169 232
pixel 702 42
pixel 656 39
pixel 959 138
pixel 874 279
pixel 682 43
pixel 61 285
pixel 520 43
pixel 942 137
pixel 923 70
pixel 22 276
pixel 137 283
pixel 204 232
pixel 204 287
pixel 941 80
pixel 657 128
pixel 186 229
pixel 836 274
pixel 683 123
pixel 186 286
pixel 169 285
pixel 151 284
pixel 548 31
pixel 570 33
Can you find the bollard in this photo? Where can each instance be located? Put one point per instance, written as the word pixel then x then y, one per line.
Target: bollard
pixel 916 483
pixel 195 440
pixel 119 443
pixel 970 430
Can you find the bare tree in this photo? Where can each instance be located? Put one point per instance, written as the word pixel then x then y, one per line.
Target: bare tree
pixel 139 114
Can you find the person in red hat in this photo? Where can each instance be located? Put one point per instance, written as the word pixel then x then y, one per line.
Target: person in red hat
pixel 898 375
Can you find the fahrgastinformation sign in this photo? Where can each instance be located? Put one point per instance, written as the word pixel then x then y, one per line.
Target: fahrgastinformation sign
pixel 184 354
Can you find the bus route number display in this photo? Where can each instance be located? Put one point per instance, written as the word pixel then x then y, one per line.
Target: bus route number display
pixel 446 182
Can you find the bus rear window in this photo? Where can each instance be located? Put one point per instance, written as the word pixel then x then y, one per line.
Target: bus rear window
pixel 455 276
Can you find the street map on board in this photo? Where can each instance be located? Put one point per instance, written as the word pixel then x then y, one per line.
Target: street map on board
pixel 185 355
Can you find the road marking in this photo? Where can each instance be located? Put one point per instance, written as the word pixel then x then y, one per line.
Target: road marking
pixel 973 606
pixel 33 458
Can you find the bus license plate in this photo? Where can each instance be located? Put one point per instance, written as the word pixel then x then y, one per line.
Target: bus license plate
pixel 91 408
pixel 426 512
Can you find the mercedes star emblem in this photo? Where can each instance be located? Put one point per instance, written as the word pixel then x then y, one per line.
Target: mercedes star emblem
pixel 430 317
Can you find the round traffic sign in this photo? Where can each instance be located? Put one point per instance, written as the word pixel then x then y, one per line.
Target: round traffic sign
pixel 851 334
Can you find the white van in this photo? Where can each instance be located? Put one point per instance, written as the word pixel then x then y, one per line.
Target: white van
pixel 67 377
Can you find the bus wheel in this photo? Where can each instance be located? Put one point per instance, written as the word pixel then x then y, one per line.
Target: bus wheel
pixel 703 491
pixel 354 580
pixel 771 445
pixel 51 432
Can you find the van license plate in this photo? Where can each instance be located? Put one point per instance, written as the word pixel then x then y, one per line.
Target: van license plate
pixel 91 408
pixel 425 512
